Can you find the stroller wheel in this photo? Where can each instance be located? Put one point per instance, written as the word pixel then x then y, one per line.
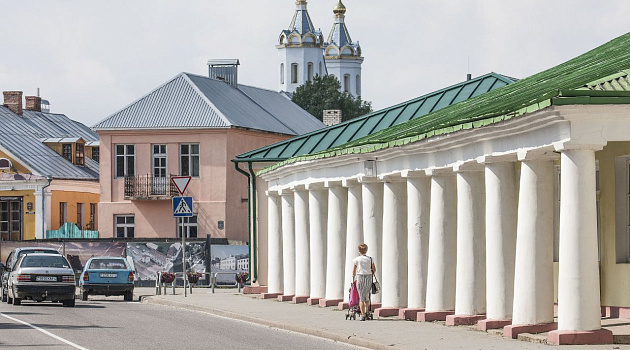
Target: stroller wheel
pixel 354 317
pixel 347 317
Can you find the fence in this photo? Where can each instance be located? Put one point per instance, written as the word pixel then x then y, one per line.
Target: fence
pixel 70 230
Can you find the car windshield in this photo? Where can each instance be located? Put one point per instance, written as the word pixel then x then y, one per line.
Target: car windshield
pixel 44 261
pixel 31 251
pixel 108 264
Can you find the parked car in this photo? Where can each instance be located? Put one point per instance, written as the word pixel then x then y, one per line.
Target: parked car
pixel 39 277
pixel 107 276
pixel 12 259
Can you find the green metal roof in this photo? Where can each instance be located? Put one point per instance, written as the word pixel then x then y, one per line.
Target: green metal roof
pixel 368 124
pixel 558 85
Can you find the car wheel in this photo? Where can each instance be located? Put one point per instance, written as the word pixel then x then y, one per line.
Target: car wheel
pixel 17 301
pixel 128 296
pixel 69 303
pixel 84 296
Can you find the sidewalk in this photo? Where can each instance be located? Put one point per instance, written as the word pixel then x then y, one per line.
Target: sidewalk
pixel 330 323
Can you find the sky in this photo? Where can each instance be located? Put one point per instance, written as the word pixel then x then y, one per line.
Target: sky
pixel 92 58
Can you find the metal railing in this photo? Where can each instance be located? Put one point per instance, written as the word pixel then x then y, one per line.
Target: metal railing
pixel 149 187
pixel 180 276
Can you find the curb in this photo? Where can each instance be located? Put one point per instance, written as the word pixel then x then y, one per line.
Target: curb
pixel 288 327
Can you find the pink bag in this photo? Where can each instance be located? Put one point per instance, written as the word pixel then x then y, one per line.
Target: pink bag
pixel 354 294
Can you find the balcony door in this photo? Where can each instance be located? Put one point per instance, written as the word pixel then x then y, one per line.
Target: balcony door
pixel 160 183
pixel 11 218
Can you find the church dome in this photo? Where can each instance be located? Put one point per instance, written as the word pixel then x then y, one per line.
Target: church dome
pixel 339 9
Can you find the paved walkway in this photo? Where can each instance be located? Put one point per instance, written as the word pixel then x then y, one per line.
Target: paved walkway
pixel 331 324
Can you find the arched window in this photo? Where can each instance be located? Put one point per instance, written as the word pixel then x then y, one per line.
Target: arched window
pixel 281 39
pixel 281 73
pixel 294 73
pixel 346 82
pixel 358 85
pixel 5 163
pixel 320 69
pixel 310 71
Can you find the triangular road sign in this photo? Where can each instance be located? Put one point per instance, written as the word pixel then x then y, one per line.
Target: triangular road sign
pixel 182 208
pixel 181 183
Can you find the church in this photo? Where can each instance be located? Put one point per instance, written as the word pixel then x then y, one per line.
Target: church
pixel 303 53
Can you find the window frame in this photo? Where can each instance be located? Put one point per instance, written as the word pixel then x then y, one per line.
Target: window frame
pixel 125 226
pixel 309 70
pixel 63 213
pixel 125 157
pixel 191 156
pixel 80 213
pixel 79 154
pixel 188 226
pixel 281 73
pixel 346 83
pixel 163 169
pixel 94 216
pixel 96 154
pixel 65 152
pixel 294 73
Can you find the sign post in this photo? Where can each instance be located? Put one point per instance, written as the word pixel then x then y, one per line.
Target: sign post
pixel 182 207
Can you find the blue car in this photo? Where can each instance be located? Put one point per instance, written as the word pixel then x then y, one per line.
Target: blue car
pixel 107 276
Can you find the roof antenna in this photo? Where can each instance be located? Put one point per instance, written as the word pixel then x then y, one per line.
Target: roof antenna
pixel 468 75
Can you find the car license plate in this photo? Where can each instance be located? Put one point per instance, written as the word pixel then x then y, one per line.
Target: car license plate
pixel 108 275
pixel 46 279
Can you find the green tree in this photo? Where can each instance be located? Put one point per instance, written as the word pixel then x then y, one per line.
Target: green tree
pixel 323 93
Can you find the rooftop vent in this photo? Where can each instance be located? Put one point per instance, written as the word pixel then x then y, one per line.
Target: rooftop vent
pixel 225 70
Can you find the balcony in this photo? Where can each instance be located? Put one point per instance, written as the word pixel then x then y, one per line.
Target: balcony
pixel 147 187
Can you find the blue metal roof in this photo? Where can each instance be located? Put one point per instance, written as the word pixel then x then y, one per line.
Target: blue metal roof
pixel 21 137
pixel 191 101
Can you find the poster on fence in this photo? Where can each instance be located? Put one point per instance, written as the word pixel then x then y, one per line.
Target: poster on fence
pixel 148 258
pixel 78 253
pixel 229 260
pixel 7 246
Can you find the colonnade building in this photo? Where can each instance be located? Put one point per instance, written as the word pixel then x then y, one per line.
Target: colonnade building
pixel 492 211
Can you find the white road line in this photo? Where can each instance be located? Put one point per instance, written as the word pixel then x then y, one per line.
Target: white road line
pixel 45 332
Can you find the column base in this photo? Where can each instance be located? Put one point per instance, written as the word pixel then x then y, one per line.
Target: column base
pixel 254 290
pixel 485 325
pixel 285 297
pixel 463 320
pixel 269 295
pixel 329 302
pixel 299 299
pixel 312 301
pixel 430 316
pixel 374 306
pixel 343 305
pixel 386 312
pixel 599 336
pixel 615 312
pixel 512 331
pixel 409 313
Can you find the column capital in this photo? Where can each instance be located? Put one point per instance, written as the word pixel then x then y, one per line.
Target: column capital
pixel 498 158
pixel 273 192
pixel 286 191
pixel 299 187
pixel 393 177
pixel 462 167
pixel 573 145
pixel 368 179
pixel 439 171
pixel 537 154
pixel 413 173
pixel 314 186
pixel 333 183
pixel 352 182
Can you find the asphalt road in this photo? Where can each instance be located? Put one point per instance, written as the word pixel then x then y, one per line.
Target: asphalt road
pixel 110 323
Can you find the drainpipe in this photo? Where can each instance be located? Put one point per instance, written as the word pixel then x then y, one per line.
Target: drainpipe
pixel 252 240
pixel 49 178
pixel 254 233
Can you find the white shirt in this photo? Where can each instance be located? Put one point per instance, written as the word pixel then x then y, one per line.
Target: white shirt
pixel 363 264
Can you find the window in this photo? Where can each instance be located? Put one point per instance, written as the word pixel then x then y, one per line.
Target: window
pixel 310 71
pixel 320 69
pixel 125 160
pixel 346 83
pixel 93 217
pixel 294 73
pixel 80 215
pixel 189 159
pixel 80 154
pixel 5 163
pixel 190 227
pixel 63 213
pixel 66 151
pixel 358 87
pixel 281 73
pixel 159 160
pixel 125 225
pixel 96 154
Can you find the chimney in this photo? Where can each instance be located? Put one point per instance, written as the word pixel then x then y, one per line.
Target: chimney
pixel 13 100
pixel 225 70
pixel 468 76
pixel 332 117
pixel 34 103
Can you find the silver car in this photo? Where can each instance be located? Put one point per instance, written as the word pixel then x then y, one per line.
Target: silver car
pixel 42 277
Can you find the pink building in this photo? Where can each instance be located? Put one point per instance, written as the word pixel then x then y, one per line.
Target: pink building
pixel 191 125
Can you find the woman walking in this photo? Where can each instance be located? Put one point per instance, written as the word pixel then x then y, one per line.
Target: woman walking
pixel 362 272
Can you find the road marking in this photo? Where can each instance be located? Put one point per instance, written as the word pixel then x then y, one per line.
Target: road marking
pixel 44 331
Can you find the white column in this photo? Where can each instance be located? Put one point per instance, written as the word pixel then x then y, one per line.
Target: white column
pixel 354 232
pixel 39 214
pixel 501 214
pixel 274 232
pixel 470 291
pixel 302 244
pixel 418 209
pixel 394 280
pixel 318 212
pixel 288 242
pixel 533 283
pixel 442 243
pixel 578 276
pixel 336 231
pixel 373 225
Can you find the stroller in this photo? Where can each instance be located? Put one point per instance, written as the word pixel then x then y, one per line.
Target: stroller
pixel 353 304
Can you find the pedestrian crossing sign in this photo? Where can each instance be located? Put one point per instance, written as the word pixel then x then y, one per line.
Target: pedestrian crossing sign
pixel 182 207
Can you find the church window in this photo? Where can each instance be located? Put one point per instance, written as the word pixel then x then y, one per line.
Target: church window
pixel 281 39
pixel 310 71
pixel 358 85
pixel 281 73
pixel 294 73
pixel 5 163
pixel 320 69
pixel 346 83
